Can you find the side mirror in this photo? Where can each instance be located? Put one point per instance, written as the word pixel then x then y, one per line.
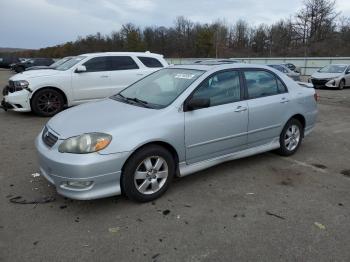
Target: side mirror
pixel 80 69
pixel 347 72
pixel 196 103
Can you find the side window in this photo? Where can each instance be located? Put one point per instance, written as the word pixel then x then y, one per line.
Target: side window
pixel 121 63
pixel 281 87
pixel 96 64
pixel 150 62
pixel 221 88
pixel 262 83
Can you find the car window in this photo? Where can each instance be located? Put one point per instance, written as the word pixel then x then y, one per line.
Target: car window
pixel 96 64
pixel 221 88
pixel 121 63
pixel 333 69
pixel 150 62
pixel 162 87
pixel 261 83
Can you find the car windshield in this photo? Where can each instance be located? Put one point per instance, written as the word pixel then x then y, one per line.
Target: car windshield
pixel 333 69
pixel 60 62
pixel 71 62
pixel 159 89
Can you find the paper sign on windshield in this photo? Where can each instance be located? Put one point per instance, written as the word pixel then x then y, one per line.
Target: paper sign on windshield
pixel 184 76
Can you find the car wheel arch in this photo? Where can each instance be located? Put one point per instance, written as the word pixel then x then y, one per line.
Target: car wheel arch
pixel 298 117
pixel 163 144
pixel 54 88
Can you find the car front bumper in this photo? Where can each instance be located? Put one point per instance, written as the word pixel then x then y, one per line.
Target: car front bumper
pixel 330 83
pixel 100 173
pixel 16 101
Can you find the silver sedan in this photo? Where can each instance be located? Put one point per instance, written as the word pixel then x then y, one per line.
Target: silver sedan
pixel 174 122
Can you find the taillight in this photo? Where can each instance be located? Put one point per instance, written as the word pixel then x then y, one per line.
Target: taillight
pixel 316 96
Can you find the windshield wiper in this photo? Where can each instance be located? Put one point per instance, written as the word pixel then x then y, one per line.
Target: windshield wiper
pixel 136 100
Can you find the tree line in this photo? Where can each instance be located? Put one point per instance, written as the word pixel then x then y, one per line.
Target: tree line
pixel 317 29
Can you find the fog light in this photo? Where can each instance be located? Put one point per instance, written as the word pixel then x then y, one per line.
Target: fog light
pixel 77 184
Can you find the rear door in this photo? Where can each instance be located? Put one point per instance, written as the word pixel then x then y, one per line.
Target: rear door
pixel 268 103
pixel 222 127
pixel 95 83
pixel 124 72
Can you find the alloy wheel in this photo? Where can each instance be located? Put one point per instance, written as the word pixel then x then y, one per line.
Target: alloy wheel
pixel 292 137
pixel 49 102
pixel 151 175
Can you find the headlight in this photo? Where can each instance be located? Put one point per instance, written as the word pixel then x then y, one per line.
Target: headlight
pixel 86 143
pixel 21 83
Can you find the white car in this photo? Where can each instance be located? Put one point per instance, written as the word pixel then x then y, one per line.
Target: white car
pixel 84 78
pixel 332 76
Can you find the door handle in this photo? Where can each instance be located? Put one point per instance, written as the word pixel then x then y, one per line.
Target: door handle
pixel 240 109
pixel 104 76
pixel 139 74
pixel 284 100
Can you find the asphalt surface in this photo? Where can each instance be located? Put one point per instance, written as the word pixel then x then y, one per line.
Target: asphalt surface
pixel 265 207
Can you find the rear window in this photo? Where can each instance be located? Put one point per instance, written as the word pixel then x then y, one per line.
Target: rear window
pixel 150 61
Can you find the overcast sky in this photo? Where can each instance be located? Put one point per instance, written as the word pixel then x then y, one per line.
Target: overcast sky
pixel 41 23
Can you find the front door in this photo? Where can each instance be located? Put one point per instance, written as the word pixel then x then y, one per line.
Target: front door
pixel 93 84
pixel 222 127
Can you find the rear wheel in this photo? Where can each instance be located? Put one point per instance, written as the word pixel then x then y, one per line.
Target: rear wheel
pixel 291 137
pixel 47 102
pixel 148 173
pixel 341 84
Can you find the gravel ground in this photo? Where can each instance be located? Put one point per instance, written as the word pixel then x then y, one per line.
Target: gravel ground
pixel 265 207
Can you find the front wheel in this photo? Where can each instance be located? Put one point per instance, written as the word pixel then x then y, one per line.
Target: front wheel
pixel 47 102
pixel 148 173
pixel 291 137
pixel 341 84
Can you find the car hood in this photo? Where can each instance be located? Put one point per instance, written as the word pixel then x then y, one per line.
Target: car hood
pixel 106 116
pixel 319 75
pixel 35 73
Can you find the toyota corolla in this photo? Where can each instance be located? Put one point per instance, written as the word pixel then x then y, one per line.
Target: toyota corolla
pixel 174 122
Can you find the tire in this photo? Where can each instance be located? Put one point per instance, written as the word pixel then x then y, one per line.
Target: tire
pixel 144 163
pixel 19 69
pixel 341 84
pixel 47 102
pixel 293 131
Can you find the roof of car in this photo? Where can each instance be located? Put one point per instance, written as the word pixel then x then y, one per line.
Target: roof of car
pixel 204 67
pixel 122 53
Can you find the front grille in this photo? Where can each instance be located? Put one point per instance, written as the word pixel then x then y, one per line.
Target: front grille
pixel 49 138
pixel 319 82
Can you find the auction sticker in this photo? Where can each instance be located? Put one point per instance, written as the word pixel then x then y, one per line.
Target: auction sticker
pixel 184 76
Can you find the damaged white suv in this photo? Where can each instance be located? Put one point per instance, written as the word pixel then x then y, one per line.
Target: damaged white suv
pixel 84 78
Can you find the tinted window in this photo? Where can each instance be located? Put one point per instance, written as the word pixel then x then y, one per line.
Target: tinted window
pixel 221 88
pixel 121 63
pixel 96 64
pixel 262 83
pixel 150 61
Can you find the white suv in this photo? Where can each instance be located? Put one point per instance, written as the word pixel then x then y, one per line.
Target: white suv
pixel 83 78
